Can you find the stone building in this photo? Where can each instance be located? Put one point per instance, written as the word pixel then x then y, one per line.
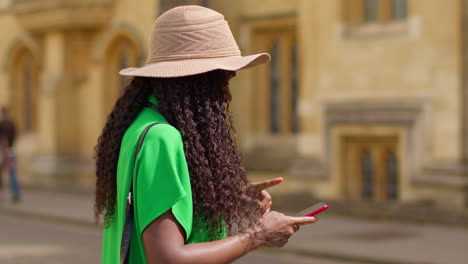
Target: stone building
pixel 363 100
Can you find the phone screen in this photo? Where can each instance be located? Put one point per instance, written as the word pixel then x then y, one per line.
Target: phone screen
pixel 313 210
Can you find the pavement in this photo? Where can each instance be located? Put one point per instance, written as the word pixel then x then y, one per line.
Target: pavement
pixel 344 239
pixel 27 241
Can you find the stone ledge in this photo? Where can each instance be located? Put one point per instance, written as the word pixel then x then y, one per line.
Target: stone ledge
pixel 370 112
pixel 444 174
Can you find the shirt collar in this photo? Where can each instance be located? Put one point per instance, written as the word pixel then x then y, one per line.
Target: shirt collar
pixel 152 99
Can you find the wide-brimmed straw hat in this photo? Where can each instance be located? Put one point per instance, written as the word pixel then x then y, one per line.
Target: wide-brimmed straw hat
pixel 189 40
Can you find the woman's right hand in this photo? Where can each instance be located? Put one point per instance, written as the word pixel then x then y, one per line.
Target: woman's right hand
pixel 274 229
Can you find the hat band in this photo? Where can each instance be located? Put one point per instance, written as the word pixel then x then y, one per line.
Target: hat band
pixel 176 57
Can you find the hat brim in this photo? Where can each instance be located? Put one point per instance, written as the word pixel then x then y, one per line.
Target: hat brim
pixel 180 68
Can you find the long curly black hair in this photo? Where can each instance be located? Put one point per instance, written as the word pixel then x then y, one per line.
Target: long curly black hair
pixel 198 106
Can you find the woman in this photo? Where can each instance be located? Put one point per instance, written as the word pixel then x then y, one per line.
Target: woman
pixel 192 200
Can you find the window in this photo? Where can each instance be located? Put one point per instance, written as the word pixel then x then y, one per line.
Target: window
pixel 371 168
pixel 121 54
pixel 24 91
pixel 278 83
pixel 359 12
pixel 370 18
pixel 371 11
pixel 400 9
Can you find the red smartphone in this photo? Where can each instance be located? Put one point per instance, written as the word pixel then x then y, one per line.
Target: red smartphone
pixel 314 209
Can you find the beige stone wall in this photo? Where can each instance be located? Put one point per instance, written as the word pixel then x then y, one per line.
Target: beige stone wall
pixel 420 62
pixel 241 16
pixel 417 62
pixel 71 112
pixel 412 63
pixel 130 20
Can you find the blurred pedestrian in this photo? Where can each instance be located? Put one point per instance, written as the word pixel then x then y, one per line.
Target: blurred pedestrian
pixel 7 140
pixel 190 195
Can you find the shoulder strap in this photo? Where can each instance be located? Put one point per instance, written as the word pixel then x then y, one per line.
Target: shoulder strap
pixel 126 235
pixel 154 107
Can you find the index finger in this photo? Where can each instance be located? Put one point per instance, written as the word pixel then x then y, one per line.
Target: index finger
pixel 267 184
pixel 303 220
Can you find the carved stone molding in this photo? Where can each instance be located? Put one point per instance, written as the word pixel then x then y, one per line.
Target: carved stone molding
pixel 38 15
pixel 23 41
pixel 372 112
pixel 403 114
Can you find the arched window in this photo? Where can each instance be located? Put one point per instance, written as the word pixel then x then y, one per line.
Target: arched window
pixel 24 87
pixel 122 53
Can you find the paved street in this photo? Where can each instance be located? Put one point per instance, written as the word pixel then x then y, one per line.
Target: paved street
pixel 63 232
pixel 32 241
pixel 35 241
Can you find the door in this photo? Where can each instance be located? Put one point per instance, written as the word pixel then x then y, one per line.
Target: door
pixel 371 168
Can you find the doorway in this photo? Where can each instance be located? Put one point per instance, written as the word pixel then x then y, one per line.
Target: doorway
pixel 370 168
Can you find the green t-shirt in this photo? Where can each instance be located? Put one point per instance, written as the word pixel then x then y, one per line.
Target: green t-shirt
pixel 161 183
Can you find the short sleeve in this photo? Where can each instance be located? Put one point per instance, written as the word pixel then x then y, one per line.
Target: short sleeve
pixel 162 179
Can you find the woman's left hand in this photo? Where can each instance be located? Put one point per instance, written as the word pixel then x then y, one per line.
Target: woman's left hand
pixel 264 197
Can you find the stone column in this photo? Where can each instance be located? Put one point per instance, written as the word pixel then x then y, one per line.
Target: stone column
pixel 308 65
pixel 310 149
pixel 57 162
pixel 54 62
pixel 58 124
